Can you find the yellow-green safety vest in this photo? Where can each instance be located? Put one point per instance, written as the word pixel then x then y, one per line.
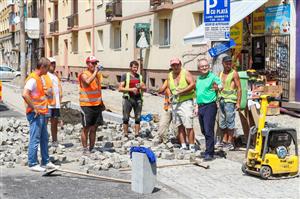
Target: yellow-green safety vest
pixel 182 85
pixel 228 94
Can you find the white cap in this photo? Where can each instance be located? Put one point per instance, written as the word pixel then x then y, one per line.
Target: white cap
pixel 52 59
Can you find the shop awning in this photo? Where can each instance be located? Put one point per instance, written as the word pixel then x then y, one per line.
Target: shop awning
pixel 239 9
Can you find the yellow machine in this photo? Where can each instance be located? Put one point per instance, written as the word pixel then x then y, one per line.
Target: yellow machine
pixel 276 151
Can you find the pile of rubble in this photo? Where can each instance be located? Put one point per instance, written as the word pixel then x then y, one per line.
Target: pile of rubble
pixel 112 148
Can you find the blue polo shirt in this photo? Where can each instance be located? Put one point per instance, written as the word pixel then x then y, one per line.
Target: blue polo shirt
pixel 204 88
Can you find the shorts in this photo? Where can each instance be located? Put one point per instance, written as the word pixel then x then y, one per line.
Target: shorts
pixel 183 114
pixel 53 113
pixel 128 105
pixel 91 115
pixel 227 115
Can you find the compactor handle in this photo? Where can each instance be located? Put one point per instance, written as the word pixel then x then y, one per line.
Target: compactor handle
pixel 269 98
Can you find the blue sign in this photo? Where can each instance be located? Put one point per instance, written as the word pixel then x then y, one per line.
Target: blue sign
pixel 216 11
pixel 216 19
pixel 221 48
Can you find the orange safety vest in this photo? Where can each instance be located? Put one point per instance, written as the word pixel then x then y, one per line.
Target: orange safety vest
pixel 91 95
pixel 40 100
pixel 167 102
pixel 49 89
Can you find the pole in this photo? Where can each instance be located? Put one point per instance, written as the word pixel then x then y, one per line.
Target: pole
pixel 142 65
pixel 22 45
pixel 34 42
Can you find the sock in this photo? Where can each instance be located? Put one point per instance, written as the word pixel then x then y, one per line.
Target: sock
pixel 183 145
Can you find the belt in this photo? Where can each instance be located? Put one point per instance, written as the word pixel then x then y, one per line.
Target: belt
pixel 205 104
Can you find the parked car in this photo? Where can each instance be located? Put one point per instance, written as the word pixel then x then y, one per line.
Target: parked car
pixel 7 73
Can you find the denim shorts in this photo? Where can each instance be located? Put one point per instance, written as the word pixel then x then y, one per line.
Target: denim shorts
pixel 227 115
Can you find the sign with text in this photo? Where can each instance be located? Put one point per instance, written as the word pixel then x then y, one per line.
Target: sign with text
pixel 236 33
pixel 216 19
pixel 277 19
pixel 221 48
pixel 258 21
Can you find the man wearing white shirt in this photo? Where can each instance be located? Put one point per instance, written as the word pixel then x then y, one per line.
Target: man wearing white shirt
pixel 54 95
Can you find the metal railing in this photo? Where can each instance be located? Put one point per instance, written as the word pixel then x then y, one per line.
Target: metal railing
pixel 73 20
pixel 54 26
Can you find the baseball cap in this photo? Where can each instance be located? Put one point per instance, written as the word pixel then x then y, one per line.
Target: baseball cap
pixel 175 61
pixel 91 59
pixel 226 58
pixel 51 59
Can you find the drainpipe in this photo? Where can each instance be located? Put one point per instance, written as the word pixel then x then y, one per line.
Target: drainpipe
pixel 93 28
pixel 45 29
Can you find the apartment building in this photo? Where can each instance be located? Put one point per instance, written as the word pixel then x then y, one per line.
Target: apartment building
pixel 9 33
pixel 76 29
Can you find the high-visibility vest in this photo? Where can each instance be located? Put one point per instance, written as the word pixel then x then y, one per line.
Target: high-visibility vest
pixel 182 85
pixel 167 102
pixel 228 94
pixel 40 100
pixel 127 82
pixel 90 95
pixel 49 89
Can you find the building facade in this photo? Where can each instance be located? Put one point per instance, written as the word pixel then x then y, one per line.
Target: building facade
pixel 77 29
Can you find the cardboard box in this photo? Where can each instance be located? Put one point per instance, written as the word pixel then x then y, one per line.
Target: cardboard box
pixel 273 111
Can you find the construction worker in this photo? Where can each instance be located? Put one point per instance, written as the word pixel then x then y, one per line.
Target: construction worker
pixel 36 110
pixel 229 101
pixel 91 103
pixel 166 116
pixel 132 87
pixel 182 85
pixel 54 95
pixel 207 86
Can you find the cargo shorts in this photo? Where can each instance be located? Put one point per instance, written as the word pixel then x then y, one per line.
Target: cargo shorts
pixel 182 114
pixel 226 115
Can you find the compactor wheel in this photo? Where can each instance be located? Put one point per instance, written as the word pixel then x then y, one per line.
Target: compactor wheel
pixel 265 172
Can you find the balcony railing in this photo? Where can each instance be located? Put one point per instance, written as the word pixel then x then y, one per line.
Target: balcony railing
pixel 54 26
pixel 113 10
pixel 159 5
pixel 73 21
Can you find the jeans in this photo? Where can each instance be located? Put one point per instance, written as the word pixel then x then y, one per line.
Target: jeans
pixel 207 117
pixel 38 136
pixel 227 115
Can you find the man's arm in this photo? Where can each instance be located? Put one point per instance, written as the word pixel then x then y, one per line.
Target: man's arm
pixel 122 88
pixel 26 97
pixel 236 79
pixel 163 87
pixel 87 80
pixel 191 84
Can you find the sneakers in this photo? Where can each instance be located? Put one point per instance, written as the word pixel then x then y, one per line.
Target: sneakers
pixel 183 148
pixel 54 144
pixel 192 148
pixel 220 144
pixel 230 147
pixel 50 165
pixel 37 168
pixel 85 151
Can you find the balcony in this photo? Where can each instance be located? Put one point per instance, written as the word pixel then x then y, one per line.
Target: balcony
pixel 113 11
pixel 73 22
pixel 161 5
pixel 54 27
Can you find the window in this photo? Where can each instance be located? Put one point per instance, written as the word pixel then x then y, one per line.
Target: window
pixel 116 44
pixel 198 19
pixel 55 45
pixel 88 41
pixel 164 32
pixel 152 82
pixel 75 42
pixel 50 47
pixel 100 40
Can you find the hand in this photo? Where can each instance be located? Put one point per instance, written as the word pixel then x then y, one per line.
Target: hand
pixel 134 90
pixel 36 112
pixel 196 111
pixel 237 107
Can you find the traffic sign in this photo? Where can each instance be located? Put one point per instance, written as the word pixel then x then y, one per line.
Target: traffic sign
pixel 216 19
pixel 221 48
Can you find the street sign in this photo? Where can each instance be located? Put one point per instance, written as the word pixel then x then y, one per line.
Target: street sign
pixel 216 20
pixel 221 48
pixel 142 35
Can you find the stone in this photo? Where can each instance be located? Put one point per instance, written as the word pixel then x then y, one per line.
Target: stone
pixel 108 145
pixel 10 165
pixel 117 144
pixel 179 156
pixel 143 174
pixel 62 158
pixel 169 145
pixel 24 162
pixel 168 156
pixel 82 161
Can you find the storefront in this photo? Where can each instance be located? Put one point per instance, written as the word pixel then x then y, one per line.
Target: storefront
pixel 264 35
